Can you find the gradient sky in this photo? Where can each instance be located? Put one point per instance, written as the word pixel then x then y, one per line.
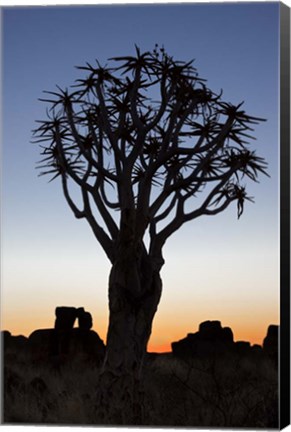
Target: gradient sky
pixel 216 268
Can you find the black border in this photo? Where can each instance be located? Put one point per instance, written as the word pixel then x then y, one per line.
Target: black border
pixel 284 400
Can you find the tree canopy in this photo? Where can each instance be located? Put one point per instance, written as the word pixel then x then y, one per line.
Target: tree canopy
pixel 145 136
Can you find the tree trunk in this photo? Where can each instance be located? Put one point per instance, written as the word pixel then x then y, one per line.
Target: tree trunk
pixel 134 294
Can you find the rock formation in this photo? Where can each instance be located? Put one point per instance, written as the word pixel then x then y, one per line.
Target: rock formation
pixel 271 343
pixel 64 341
pixel 242 347
pixel 84 319
pixel 12 343
pixel 42 344
pixel 66 344
pixel 209 340
pixel 212 339
pixel 65 317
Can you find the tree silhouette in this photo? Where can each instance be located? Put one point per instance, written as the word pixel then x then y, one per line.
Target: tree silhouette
pixel 150 147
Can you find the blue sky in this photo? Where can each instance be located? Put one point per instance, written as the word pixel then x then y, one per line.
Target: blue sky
pixel 216 268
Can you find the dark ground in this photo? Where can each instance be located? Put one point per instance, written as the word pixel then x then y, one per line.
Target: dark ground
pixel 227 390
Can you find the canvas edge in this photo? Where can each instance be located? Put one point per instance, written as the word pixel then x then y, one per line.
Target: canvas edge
pixel 284 361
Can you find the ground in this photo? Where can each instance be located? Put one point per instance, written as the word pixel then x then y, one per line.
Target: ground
pixel 222 391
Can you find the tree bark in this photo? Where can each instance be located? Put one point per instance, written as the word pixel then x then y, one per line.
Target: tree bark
pixel 134 293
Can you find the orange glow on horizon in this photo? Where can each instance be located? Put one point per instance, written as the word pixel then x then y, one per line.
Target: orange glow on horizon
pixel 160 340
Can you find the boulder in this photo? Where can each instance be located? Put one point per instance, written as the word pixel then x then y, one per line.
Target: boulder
pixel 226 334
pixel 51 343
pixel 42 344
pixel 19 342
pixel 271 343
pixel 210 328
pixel 5 337
pixel 256 353
pixel 186 347
pixel 5 333
pixel 65 317
pixel 257 349
pixel 84 319
pixel 13 343
pixel 86 342
pixel 211 339
pixel 212 331
pixel 242 347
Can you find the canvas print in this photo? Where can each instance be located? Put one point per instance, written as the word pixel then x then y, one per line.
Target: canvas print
pixel 141 212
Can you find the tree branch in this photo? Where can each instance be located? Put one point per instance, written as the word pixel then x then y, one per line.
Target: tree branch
pixel 85 153
pixel 106 123
pixel 77 213
pixel 100 234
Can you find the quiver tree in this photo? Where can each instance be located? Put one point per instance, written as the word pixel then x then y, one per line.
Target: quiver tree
pixel 150 148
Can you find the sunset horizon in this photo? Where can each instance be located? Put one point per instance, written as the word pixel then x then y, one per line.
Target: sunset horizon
pixel 158 342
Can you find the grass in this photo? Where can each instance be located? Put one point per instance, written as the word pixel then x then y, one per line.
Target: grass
pixel 228 391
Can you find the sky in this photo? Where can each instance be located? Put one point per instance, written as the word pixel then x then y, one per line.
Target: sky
pixel 216 267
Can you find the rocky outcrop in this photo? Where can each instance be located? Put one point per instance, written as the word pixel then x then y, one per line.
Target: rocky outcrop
pixel 242 347
pixel 42 344
pixel 5 337
pixel 213 339
pixel 271 343
pixel 61 342
pixel 66 317
pixel 66 344
pixel 12 343
pixel 209 340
